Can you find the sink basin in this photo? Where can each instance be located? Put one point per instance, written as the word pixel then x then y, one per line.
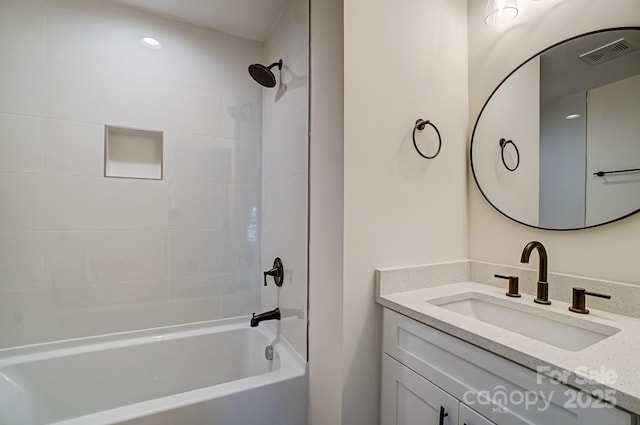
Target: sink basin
pixel 564 332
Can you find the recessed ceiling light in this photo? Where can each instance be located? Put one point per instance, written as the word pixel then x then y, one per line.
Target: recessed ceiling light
pixel 152 43
pixel 572 117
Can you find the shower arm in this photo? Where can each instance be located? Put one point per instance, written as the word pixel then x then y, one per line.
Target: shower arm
pixel 278 64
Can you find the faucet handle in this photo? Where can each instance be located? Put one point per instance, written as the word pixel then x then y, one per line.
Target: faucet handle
pixel 579 302
pixel 277 272
pixel 513 285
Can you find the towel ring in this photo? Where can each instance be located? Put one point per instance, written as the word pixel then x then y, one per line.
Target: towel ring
pixel 420 125
pixel 503 144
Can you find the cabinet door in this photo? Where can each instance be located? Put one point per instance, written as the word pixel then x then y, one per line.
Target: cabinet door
pixel 409 399
pixel 471 417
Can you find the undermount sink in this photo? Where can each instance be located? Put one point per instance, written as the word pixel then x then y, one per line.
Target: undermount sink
pixel 564 332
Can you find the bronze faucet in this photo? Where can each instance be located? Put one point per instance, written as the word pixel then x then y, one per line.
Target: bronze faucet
pixel 543 286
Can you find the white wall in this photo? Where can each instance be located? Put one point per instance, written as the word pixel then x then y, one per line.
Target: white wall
pixel 403 60
pixel 612 144
pixel 512 114
pixel 606 252
pixel 81 254
pixel 562 175
pixel 284 170
pixel 326 172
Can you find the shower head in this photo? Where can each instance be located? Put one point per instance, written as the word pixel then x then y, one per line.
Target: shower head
pixel 263 75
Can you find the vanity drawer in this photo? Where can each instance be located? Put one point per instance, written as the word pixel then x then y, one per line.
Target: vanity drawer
pixel 498 389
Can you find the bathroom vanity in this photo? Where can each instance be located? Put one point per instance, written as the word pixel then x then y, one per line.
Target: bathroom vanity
pixel 456 351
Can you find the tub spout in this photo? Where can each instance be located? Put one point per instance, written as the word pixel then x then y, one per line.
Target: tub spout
pixel 267 315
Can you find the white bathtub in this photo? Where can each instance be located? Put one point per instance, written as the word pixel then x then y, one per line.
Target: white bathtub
pixel 212 373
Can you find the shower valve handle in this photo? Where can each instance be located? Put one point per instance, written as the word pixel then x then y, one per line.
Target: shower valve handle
pixel 277 272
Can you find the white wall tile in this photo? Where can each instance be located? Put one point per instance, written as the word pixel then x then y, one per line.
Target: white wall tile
pixel 195 56
pixel 21 206
pixel 240 295
pixel 80 311
pixel 24 317
pixel 285 205
pixel 140 292
pixel 243 253
pixel 83 258
pixel 287 149
pixel 22 29
pixel 248 162
pixel 199 253
pixel 284 171
pixel 129 255
pixel 203 110
pixel 197 205
pixel 74 148
pixel 199 158
pixel 140 204
pixel 104 44
pixel 70 299
pixel 197 287
pixel 241 116
pixel 77 93
pixel 21 143
pixel 141 103
pixel 77 203
pixel 245 208
pixel 154 105
pixel 23 87
pixel 105 250
pixel 164 313
pixel 20 260
pixel 34 316
pixel 68 260
pixel 285 106
pixel 64 45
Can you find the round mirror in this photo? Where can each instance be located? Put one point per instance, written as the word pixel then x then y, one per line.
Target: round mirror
pixel 557 144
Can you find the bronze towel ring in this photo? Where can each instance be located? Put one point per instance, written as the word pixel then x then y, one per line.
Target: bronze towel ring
pixel 503 144
pixel 420 125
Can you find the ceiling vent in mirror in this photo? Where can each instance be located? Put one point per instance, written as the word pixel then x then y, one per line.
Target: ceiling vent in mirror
pixel 606 52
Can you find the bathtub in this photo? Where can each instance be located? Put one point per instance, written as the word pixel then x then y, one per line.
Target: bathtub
pixel 213 373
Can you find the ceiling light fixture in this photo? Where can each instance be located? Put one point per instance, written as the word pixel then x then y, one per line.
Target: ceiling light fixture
pixel 151 43
pixel 501 11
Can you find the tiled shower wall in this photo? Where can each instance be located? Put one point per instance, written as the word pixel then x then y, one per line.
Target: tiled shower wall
pixel 284 171
pixel 81 254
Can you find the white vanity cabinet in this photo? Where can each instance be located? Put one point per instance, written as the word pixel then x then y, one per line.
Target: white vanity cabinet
pixel 410 399
pixel 425 370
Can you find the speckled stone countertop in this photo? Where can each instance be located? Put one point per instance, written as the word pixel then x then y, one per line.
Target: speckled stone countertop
pixel 611 365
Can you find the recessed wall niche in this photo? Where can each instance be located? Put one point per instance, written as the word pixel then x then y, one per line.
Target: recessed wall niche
pixel 132 153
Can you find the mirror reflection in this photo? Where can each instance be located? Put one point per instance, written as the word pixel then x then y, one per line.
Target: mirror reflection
pixel 556 146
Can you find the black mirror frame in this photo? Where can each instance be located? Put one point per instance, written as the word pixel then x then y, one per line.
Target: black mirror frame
pixel 473 171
